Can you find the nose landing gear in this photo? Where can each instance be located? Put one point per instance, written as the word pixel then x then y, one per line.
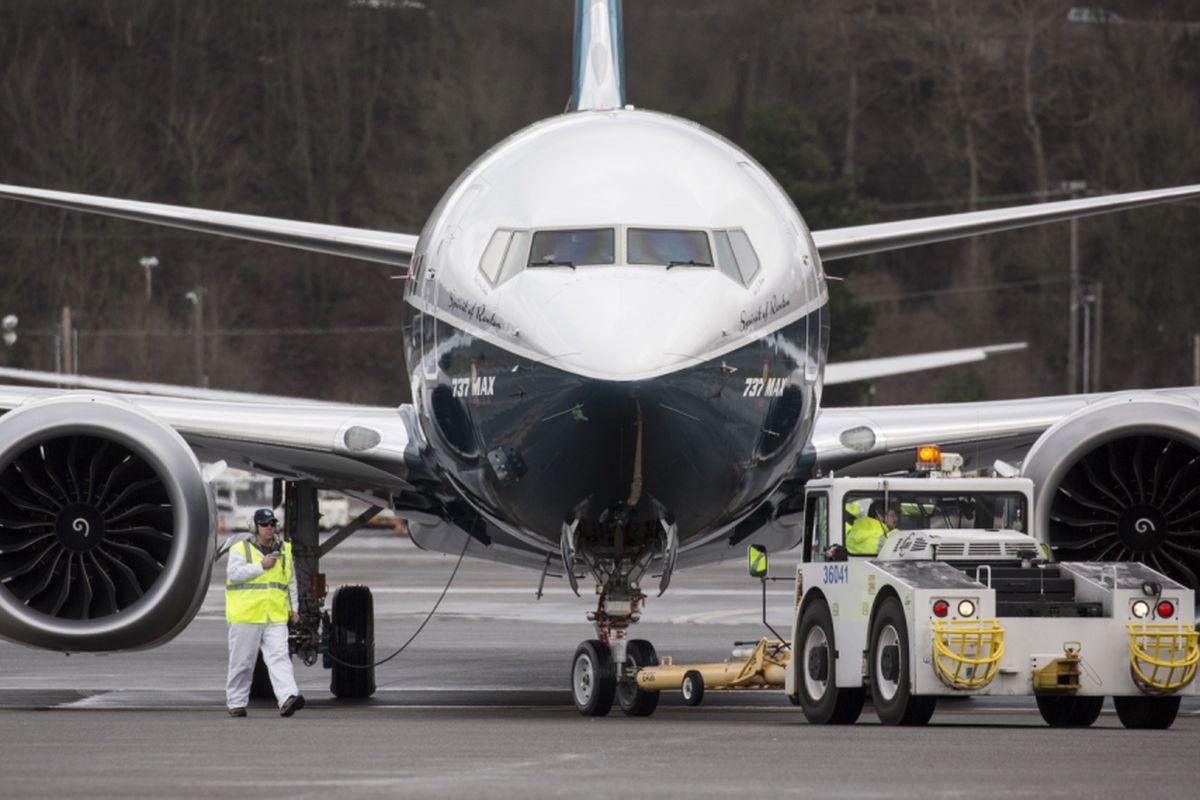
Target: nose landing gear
pixel 605 668
pixel 597 679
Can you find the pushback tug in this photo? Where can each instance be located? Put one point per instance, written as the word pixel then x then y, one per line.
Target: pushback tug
pixel 958 597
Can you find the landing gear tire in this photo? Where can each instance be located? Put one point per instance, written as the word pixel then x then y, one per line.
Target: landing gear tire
pixel 891 683
pixel 593 678
pixel 692 687
pixel 1152 713
pixel 352 642
pixel 633 699
pixel 820 699
pixel 1069 712
pixel 260 684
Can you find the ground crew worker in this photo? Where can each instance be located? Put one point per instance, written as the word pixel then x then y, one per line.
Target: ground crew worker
pixel 260 599
pixel 851 511
pixel 868 531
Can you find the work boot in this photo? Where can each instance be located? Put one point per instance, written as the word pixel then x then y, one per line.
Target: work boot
pixel 292 705
pixel 237 712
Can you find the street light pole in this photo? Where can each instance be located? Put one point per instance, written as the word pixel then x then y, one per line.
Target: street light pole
pixel 67 364
pixel 1088 301
pixel 1076 188
pixel 148 264
pixel 196 297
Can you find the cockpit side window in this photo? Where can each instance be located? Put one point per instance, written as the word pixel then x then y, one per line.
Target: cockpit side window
pixel 668 248
pixel 514 256
pixel 493 255
pixel 726 262
pixel 747 259
pixel 735 255
pixel 504 255
pixel 572 248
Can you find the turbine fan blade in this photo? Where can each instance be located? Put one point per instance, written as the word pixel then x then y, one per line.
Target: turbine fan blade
pixel 108 590
pixel 1084 526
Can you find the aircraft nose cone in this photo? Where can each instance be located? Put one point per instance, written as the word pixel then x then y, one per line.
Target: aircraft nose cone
pixel 628 323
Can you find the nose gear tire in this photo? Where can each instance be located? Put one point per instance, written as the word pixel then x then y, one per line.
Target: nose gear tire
pixel 593 678
pixel 633 699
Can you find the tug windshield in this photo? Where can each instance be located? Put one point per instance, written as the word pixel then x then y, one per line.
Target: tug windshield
pixel 956 510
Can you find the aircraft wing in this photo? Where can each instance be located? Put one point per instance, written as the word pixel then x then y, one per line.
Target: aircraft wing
pixel 374 453
pixel 875 439
pixel 398 248
pixel 368 245
pixel 871 368
pixel 372 448
pixel 863 239
pixel 148 388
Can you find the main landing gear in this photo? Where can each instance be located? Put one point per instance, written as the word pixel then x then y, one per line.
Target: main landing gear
pixel 605 668
pixel 345 638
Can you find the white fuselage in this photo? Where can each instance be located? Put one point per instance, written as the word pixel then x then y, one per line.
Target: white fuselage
pixel 578 383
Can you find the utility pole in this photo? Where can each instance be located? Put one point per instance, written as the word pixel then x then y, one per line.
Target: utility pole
pixel 67 365
pixel 1088 300
pixel 197 299
pixel 148 264
pixel 1076 188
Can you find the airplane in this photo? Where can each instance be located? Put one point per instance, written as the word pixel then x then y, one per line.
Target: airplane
pixel 617 345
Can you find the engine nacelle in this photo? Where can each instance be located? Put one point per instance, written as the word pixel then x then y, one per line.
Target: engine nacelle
pixel 1120 481
pixel 106 526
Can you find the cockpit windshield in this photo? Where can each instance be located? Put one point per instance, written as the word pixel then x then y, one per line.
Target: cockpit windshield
pixel 951 510
pixel 571 248
pixel 669 248
pixel 510 251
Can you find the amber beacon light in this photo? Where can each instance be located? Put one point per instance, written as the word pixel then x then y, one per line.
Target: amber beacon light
pixel 929 457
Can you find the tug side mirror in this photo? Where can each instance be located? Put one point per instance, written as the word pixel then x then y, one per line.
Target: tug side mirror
pixel 757 557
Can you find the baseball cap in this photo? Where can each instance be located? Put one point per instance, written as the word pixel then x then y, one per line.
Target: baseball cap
pixel 264 516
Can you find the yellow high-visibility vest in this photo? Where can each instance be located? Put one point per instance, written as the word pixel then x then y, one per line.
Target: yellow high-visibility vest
pixel 263 598
pixel 863 537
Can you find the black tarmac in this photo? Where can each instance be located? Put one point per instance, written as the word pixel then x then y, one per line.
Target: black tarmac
pixel 479 706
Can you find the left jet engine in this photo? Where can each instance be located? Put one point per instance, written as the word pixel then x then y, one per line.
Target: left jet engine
pixel 106 526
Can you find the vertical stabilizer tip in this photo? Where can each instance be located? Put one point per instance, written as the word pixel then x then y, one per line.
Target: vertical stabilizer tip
pixel 598 64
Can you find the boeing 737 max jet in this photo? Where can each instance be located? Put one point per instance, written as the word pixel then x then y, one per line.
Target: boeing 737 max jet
pixel 617 347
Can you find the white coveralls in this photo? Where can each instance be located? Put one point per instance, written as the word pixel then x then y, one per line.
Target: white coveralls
pixel 246 639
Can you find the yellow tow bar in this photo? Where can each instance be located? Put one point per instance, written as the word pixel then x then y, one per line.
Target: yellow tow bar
pixel 762 669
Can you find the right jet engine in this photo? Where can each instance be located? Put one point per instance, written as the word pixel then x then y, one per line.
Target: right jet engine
pixel 1120 481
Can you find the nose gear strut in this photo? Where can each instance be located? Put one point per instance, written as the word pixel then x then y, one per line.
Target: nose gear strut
pixel 618 556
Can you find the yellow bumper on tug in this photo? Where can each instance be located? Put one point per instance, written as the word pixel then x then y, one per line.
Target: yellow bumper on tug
pixel 1162 656
pixel 966 653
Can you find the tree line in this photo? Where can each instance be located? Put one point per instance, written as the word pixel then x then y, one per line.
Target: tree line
pixel 362 113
